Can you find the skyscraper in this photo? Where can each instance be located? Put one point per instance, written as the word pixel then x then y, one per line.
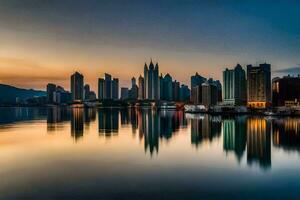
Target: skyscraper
pixel 124 93
pixel 115 88
pixel 167 87
pixel 108 88
pixel 141 88
pixel 184 93
pixel 209 94
pixel 50 91
pixel 133 92
pixel 77 86
pixel 151 81
pixel 259 85
pixel 196 88
pixel 234 86
pixel 101 88
pixel 87 91
pixel 176 90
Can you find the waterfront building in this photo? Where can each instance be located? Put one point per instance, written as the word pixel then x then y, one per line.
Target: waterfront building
pixel 176 90
pixel 151 81
pixel 77 82
pixel 259 86
pixel 124 93
pixel 286 91
pixel 115 88
pixel 101 84
pixel 167 88
pixel 108 88
pixel 50 91
pixel 209 94
pixel 184 94
pixel 87 91
pixel 196 88
pixel 133 92
pixel 60 96
pixel 234 86
pixel 141 87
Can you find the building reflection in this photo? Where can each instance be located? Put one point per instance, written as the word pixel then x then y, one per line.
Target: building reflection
pixel 286 134
pixel 234 136
pixel 259 141
pixel 204 128
pixel 89 116
pixel 108 121
pixel 77 122
pixel 55 116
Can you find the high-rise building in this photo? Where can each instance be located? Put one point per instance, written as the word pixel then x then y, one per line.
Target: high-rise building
pixel 133 92
pixel 141 88
pixel 87 91
pixel 209 94
pixel 151 81
pixel 286 91
pixel 176 90
pixel 259 86
pixel 101 84
pixel 77 86
pixel 124 93
pixel 167 88
pixel 196 88
pixel 234 86
pixel 184 93
pixel 115 88
pixel 50 91
pixel 108 88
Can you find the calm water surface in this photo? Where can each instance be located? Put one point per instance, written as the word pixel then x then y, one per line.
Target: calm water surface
pixel 60 153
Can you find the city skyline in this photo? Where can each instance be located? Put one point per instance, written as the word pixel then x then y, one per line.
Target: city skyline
pixel 45 42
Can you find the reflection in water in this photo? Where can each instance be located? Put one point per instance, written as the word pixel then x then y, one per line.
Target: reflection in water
pixel 108 120
pixel 239 133
pixel 234 136
pixel 77 123
pixel 286 134
pixel 259 141
pixel 56 115
pixel 204 128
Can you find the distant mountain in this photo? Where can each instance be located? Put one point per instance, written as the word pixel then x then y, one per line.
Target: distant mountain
pixel 8 94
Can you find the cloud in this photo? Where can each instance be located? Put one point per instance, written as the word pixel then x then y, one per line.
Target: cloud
pixel 290 70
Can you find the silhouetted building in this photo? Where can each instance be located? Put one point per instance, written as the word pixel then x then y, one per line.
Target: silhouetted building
pixel 115 89
pixel 286 91
pixel 184 94
pixel 141 93
pixel 167 88
pixel 151 82
pixel 133 92
pixel 101 84
pixel 50 91
pixel 209 94
pixel 124 93
pixel 196 89
pixel 259 86
pixel 77 86
pixel 176 90
pixel 234 86
pixel 108 88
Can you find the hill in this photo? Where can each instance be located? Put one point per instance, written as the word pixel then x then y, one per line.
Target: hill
pixel 8 94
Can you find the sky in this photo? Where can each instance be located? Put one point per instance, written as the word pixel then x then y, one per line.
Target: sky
pixel 46 41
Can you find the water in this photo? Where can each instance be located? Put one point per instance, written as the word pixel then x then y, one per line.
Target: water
pixel 59 153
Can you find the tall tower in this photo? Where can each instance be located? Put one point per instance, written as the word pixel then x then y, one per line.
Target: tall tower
pixel 77 86
pixel 141 88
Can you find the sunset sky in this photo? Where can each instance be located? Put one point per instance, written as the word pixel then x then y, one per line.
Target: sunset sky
pixel 45 41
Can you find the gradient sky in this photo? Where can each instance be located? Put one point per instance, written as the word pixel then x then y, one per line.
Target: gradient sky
pixel 45 41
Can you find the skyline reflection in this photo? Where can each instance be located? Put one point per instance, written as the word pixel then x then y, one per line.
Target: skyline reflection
pixel 246 137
